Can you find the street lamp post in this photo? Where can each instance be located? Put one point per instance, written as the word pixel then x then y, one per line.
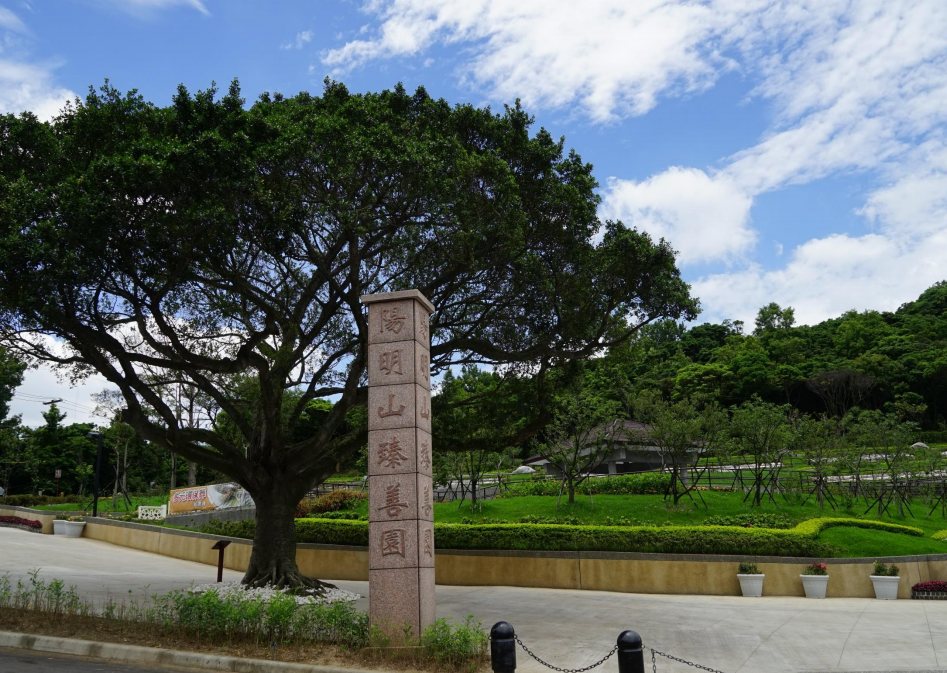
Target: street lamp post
pixel 98 468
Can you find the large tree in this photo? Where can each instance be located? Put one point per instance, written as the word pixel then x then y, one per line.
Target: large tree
pixel 210 243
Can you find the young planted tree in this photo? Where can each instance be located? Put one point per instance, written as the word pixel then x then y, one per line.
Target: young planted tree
pixel 684 434
pixel 580 437
pixel 477 416
pixel 889 440
pixel 225 247
pixel 821 442
pixel 760 437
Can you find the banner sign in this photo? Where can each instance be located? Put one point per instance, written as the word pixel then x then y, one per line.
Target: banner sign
pixel 214 496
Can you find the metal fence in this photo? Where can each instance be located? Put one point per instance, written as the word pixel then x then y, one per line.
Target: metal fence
pixel 629 648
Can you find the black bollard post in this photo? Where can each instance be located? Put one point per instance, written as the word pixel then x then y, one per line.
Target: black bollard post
pixel 502 648
pixel 630 653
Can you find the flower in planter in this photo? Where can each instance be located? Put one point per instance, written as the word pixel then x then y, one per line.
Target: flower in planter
pixel 816 569
pixel 885 570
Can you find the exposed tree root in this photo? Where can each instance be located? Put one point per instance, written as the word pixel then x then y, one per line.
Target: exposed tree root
pixel 279 577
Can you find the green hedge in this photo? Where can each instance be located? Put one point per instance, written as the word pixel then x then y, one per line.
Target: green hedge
pixel 813 527
pixel 939 535
pixel 646 483
pixel 799 541
pixel 33 500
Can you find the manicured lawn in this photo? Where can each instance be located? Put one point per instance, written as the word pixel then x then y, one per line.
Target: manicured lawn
pixel 861 542
pixel 106 505
pixel 653 510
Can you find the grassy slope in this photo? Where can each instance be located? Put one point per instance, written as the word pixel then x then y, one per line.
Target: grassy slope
pixel 652 510
pixel 106 505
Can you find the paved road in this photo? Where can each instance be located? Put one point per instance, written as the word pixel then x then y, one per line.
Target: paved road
pixel 21 661
pixel 574 628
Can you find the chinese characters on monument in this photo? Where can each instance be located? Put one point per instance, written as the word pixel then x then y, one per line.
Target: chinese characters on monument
pixel 400 527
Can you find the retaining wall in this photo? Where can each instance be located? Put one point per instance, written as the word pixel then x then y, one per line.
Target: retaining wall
pixel 26 513
pixel 599 571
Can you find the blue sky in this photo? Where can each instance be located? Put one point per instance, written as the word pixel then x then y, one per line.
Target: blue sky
pixel 792 151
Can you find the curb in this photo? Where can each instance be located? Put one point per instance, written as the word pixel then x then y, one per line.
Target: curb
pixel 153 655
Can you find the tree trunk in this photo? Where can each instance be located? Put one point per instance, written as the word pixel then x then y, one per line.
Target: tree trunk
pixel 192 473
pixel 473 494
pixel 571 493
pixel 273 558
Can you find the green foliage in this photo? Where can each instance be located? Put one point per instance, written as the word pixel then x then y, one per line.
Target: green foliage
pixel 940 535
pixel 11 376
pixel 885 570
pixel 208 615
pixel 748 569
pixel 648 483
pixel 750 520
pixel 330 502
pixel 815 569
pixel 799 541
pixel 458 646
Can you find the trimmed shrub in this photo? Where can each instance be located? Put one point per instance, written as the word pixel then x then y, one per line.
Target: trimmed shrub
pixel 755 520
pixel 330 502
pixel 33 500
pixel 799 541
pixel 939 535
pixel 816 526
pixel 646 483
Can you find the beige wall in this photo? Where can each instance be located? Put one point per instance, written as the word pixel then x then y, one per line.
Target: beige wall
pixel 563 571
pixel 25 513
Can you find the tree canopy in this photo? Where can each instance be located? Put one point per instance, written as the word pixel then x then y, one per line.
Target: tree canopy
pixel 208 243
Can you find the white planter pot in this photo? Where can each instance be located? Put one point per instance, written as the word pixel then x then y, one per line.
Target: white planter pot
pixel 751 585
pixel 815 585
pixel 886 588
pixel 68 528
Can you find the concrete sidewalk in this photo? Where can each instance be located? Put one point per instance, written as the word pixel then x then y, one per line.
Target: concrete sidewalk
pixel 575 628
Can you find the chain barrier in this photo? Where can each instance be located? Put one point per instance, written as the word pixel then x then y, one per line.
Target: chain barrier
pixel 566 670
pixel 654 662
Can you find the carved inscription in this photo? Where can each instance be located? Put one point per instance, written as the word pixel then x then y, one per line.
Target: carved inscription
pixel 425 455
pixel 423 327
pixel 427 507
pixel 393 503
pixel 391 411
pixel 392 320
pixel 390 362
pixel 428 542
pixel 425 411
pixel 391 454
pixel 392 542
pixel 424 367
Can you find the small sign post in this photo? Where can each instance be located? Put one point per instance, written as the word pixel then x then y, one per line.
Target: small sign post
pixel 220 546
pixel 58 475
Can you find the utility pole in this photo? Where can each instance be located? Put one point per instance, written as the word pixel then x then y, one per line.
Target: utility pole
pixel 98 468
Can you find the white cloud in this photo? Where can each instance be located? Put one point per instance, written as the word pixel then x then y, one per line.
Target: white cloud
pixel 43 384
pixel 25 85
pixel 301 39
pixel 828 276
pixel 710 223
pixel 855 85
pixel 10 21
pixel 146 7
pixel 611 57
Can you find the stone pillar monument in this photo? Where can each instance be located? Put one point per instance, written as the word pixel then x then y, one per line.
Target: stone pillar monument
pixel 401 503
